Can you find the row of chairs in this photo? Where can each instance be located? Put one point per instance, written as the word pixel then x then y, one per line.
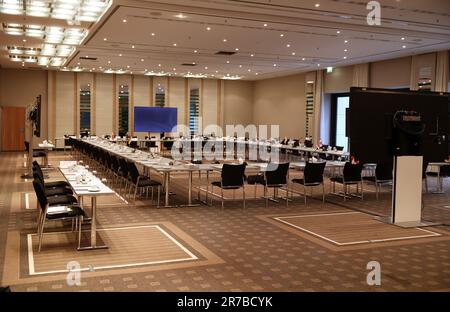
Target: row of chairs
pixel 122 173
pixel 52 194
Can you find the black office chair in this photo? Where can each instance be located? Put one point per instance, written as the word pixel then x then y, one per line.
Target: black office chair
pixel 36 153
pixel 232 178
pixel 52 191
pixel 383 175
pixel 141 181
pixel 351 176
pixel 444 172
pixel 37 168
pixel 312 176
pixel 73 212
pixel 275 177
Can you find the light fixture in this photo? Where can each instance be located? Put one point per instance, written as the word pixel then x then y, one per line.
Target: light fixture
pixel 206 67
pixel 293 53
pixel 195 51
pixel 142 60
pixel 288 45
pixel 303 59
pixel 338 32
pixel 345 50
pixel 403 38
pixel 281 35
pixel 228 62
pixel 174 44
pixel 224 40
pixel 265 25
pixel 252 55
pixel 345 41
pixel 345 57
pixel 104 39
pixel 404 47
pixel 120 54
pixel 274 65
pixel 237 49
pixel 159 65
pixel 240 66
pixel 132 46
pixel 317 5
pixel 153 34
pixel 329 70
pixel 124 20
pixel 180 15
pixel 208 28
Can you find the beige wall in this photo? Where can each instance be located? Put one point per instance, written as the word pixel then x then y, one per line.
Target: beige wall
pixel 339 81
pixel 391 73
pixel 281 101
pixel 20 88
pixel 237 106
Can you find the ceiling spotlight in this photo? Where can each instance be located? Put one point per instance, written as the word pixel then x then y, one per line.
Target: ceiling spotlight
pixel 206 67
pixel 237 49
pixel 120 54
pixel 109 62
pixel 303 59
pixel 345 50
pixel 224 40
pixel 217 71
pixel 180 15
pixel 274 65
pixel 288 45
pixel 124 20
pixel 195 51
pixel 317 5
pixel 249 70
pixel 338 32
pixel 104 39
pixel 174 44
pixel 318 65
pixel 24 40
pixel 252 55
pixel 240 66
pixel 345 57
pixel 174 69
pixel 208 28
pixel 404 47
pixel 293 53
pixel 281 35
pixel 265 25
pixel 403 38
pixel 228 62
pixel 159 65
pixel 345 41
pixel 256 74
pixel 128 66
pixel 142 60
pixel 132 46
pixel 153 34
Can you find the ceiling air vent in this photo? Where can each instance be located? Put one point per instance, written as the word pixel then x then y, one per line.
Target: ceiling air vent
pixel 225 53
pixel 88 58
pixel 189 64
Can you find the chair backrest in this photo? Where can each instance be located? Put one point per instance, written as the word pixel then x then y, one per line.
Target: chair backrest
pixel 383 171
pixel 352 172
pixel 314 172
pixel 123 167
pixel 445 171
pixel 233 175
pixel 38 170
pixel 27 145
pixel 40 194
pixel 276 174
pixel 339 148
pixel 133 170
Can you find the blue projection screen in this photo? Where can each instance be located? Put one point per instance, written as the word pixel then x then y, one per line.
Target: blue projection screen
pixel 154 119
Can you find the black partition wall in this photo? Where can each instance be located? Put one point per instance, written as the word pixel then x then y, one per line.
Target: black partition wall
pixel 370 122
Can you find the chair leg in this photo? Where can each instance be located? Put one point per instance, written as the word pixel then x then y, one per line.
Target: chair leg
pixel 243 196
pixel 255 190
pixel 266 196
pixel 41 234
pixel 304 193
pixel 135 192
pixel 80 221
pixel 323 192
pixel 362 191
pixel 221 189
pixel 159 194
pixel 345 191
pixel 377 187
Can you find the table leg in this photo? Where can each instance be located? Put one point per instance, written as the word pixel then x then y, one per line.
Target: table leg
pixel 166 188
pixel 190 188
pixel 94 222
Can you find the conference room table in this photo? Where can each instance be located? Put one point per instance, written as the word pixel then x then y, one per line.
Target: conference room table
pixel 45 146
pixel 439 165
pixel 85 183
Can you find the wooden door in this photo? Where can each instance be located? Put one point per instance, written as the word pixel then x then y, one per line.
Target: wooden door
pixel 13 128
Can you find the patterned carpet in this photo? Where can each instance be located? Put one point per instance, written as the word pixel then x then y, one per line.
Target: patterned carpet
pixel 255 255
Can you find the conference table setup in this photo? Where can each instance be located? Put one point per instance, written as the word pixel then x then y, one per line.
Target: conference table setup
pixel 166 167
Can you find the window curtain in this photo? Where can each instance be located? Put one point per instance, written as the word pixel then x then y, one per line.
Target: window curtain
pixel 318 101
pixel 361 75
pixel 442 68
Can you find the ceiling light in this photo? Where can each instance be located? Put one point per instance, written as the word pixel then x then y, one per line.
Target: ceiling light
pixel 240 66
pixel 109 62
pixel 206 67
pixel 174 69
pixel 288 45
pixel 345 50
pixel 124 20
pixel 281 35
pixel 224 40
pixel 265 25
pixel 303 59
pixel 153 34
pixel 256 74
pixel 403 38
pixel 338 32
pixel 228 62
pixel 274 65
pixel 293 53
pixel 345 41
pixel 208 28
pixel 142 60
pixel 237 49
pixel 249 70
pixel 132 46
pixel 174 44
pixel 318 65
pixel 404 47
pixel 128 66
pixel 104 39
pixel 252 55
pixel 180 15
pixel 120 54
pixel 24 40
pixel 317 5
pixel 329 70
pixel 159 65
pixel 345 57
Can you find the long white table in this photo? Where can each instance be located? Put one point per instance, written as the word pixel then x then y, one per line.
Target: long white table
pixel 89 186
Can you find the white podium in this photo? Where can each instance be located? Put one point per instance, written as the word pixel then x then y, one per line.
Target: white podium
pixel 407 191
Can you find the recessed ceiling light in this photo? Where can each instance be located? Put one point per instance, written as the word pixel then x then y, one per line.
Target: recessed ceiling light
pixel 78 63
pixel 195 51
pixel 217 71
pixel 249 70
pixel 265 25
pixel 132 46
pixel 153 34
pixel 403 38
pixel 274 65
pixel 124 20
pixel 288 45
pixel 345 57
pixel 404 47
pixel 142 60
pixel 208 28
pixel 24 40
pixel 318 65
pixel 345 50
pixel 240 66
pixel 159 65
pixel 109 62
pixel 293 53
pixel 120 54
pixel 237 49
pixel 281 35
pixel 180 15
pixel 345 41
pixel 174 69
pixel 256 74
pixel 174 44
pixel 252 55
pixel 228 62
pixel 303 59
pixel 338 32
pixel 128 66
pixel 317 5
pixel 224 40
pixel 206 67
